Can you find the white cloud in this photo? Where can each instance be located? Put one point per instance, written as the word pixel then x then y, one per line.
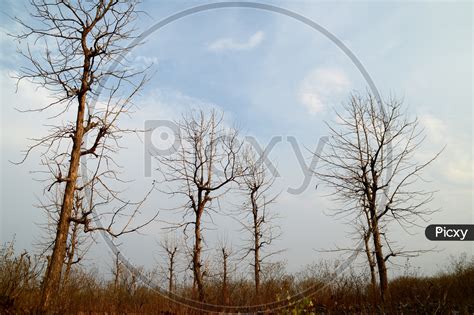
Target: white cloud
pixel 455 163
pixel 319 86
pixel 434 127
pixel 21 125
pixel 228 44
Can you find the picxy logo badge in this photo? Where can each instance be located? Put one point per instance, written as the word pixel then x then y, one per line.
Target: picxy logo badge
pixel 450 232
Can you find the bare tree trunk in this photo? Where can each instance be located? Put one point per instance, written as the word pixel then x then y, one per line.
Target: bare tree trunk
pixel 256 235
pixel 225 291
pixel 381 266
pixel 197 256
pixel 372 264
pixel 53 273
pixel 171 274
pixel 370 257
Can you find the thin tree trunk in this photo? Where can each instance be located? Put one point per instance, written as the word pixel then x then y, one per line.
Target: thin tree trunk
pixel 117 273
pixel 225 298
pixel 372 265
pixel 374 228
pixel 53 273
pixel 171 269
pixel 256 234
pixel 197 256
pixel 381 266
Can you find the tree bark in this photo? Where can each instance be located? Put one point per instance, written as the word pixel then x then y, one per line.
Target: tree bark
pixel 171 273
pixel 381 266
pixel 53 272
pixel 256 234
pixel 197 256
pixel 71 252
pixel 372 265
pixel 225 295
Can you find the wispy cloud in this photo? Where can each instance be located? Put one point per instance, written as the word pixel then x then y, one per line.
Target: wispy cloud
pixel 319 86
pixel 230 44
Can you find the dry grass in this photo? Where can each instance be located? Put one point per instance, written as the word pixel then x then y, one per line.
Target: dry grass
pixel 86 292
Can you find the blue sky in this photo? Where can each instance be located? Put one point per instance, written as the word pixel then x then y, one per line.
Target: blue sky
pixel 274 76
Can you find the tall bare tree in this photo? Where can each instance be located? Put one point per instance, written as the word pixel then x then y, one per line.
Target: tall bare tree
pixel 257 183
pixel 370 164
pixel 78 54
pixel 202 167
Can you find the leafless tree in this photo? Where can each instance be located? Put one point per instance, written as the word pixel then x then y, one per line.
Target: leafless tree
pixel 225 254
pixel 78 55
pixel 202 167
pixel 370 165
pixel 170 246
pixel 258 221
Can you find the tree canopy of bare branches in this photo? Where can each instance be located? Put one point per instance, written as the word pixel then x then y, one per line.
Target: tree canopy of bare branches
pixel 370 165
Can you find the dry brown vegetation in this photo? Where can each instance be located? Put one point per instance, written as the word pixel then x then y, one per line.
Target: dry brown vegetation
pixel 88 292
